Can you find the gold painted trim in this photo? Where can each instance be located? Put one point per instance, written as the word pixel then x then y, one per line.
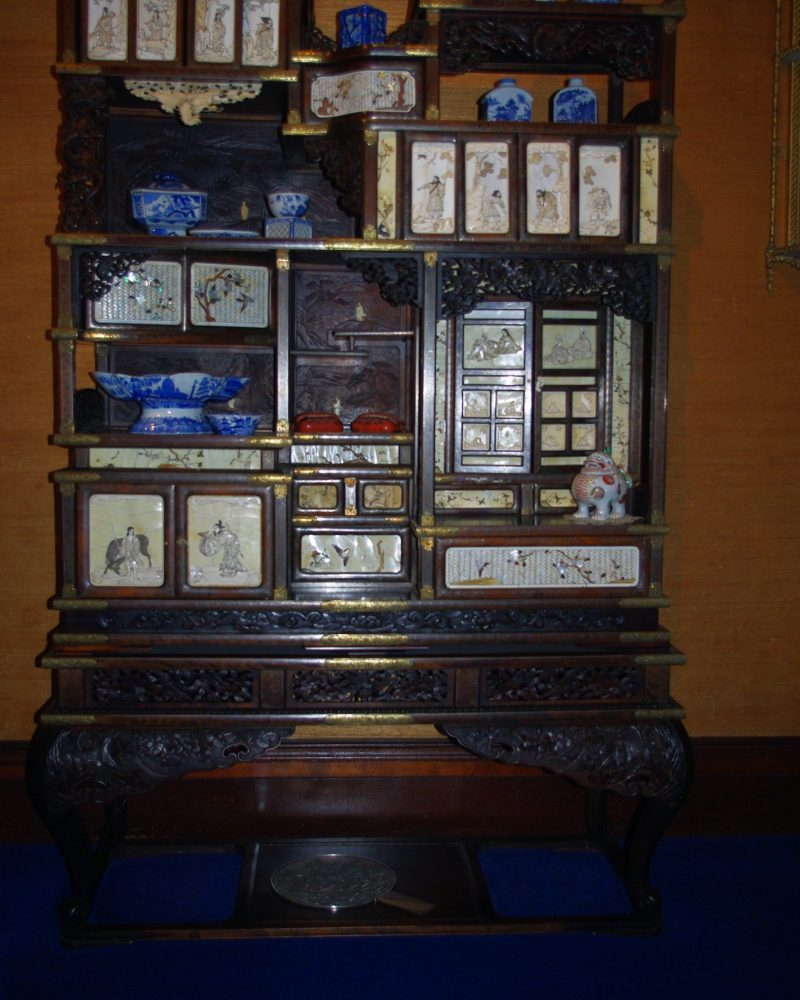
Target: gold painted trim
pixel 422 51
pixel 307 129
pixel 76 440
pixel 282 427
pixel 369 719
pixel 346 639
pixel 660 659
pixel 368 663
pixel 307 56
pixel 282 261
pixel 61 719
pixel 78 239
pixel 370 137
pixel 364 605
pixel 103 335
pixel 68 662
pixel 79 604
pixel 386 246
pixel 78 638
pixel 280 594
pixel 76 476
pixel 64 333
pixel 269 478
pixel 426 593
pixel 279 75
pixel 268 441
pixel 431 258
pixel 78 69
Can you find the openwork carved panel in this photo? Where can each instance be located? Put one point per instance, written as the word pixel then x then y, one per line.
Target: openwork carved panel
pixel 101 766
pixel 518 685
pixel 511 620
pixel 82 142
pixel 649 759
pixel 100 272
pixel 397 277
pixel 339 159
pixel 370 686
pixel 162 687
pixel 627 48
pixel 624 285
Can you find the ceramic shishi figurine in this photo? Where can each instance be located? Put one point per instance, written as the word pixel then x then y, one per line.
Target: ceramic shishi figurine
pixel 600 489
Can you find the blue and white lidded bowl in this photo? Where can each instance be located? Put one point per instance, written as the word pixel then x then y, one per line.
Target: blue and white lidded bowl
pixel 362 25
pixel 168 207
pixel 507 103
pixel 575 103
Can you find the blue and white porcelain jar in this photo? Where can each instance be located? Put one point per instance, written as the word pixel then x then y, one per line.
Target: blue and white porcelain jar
pixel 575 103
pixel 507 103
pixel 168 207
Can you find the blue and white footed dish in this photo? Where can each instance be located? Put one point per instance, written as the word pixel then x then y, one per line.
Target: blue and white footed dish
pixel 171 404
pixel 233 423
pixel 507 103
pixel 575 103
pixel 168 207
pixel 362 25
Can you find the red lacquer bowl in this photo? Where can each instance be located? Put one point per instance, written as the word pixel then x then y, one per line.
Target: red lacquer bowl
pixel 318 423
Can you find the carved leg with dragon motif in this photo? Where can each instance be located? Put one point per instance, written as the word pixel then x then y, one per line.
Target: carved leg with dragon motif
pixel 70 767
pixel 651 761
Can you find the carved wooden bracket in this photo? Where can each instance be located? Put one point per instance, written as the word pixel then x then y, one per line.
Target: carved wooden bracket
pixel 104 765
pixel 339 159
pixel 636 758
pixel 397 277
pixel 191 99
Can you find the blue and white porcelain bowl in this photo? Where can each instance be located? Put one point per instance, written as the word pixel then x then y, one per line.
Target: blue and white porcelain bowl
pixel 288 204
pixel 233 423
pixel 171 404
pixel 168 207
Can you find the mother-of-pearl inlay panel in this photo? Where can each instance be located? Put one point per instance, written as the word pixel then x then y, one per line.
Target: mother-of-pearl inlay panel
pixel 537 566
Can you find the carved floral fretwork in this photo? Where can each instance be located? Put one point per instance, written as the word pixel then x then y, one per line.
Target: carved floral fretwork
pixel 85 102
pixel 314 38
pixel 649 759
pixel 627 48
pixel 161 687
pixel 191 99
pixel 527 685
pixel 472 620
pixel 625 285
pixel 339 159
pixel 410 33
pixel 101 765
pixel 369 686
pixel 100 272
pixel 397 277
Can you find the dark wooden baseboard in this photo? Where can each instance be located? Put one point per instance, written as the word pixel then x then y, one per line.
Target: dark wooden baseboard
pixel 742 786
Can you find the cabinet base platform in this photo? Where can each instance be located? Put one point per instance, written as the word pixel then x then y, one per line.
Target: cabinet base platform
pixel 472 887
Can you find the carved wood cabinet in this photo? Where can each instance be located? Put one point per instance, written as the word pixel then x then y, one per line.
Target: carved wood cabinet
pixel 497 292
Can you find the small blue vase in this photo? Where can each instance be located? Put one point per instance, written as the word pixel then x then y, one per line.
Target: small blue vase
pixel 507 103
pixel 575 103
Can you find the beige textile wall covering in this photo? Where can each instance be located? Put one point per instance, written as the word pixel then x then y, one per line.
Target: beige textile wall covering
pixel 732 556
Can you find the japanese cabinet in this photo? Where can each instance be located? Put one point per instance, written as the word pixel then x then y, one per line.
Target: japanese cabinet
pixel 475 309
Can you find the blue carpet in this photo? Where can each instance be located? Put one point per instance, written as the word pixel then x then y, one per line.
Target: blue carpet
pixel 731 930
